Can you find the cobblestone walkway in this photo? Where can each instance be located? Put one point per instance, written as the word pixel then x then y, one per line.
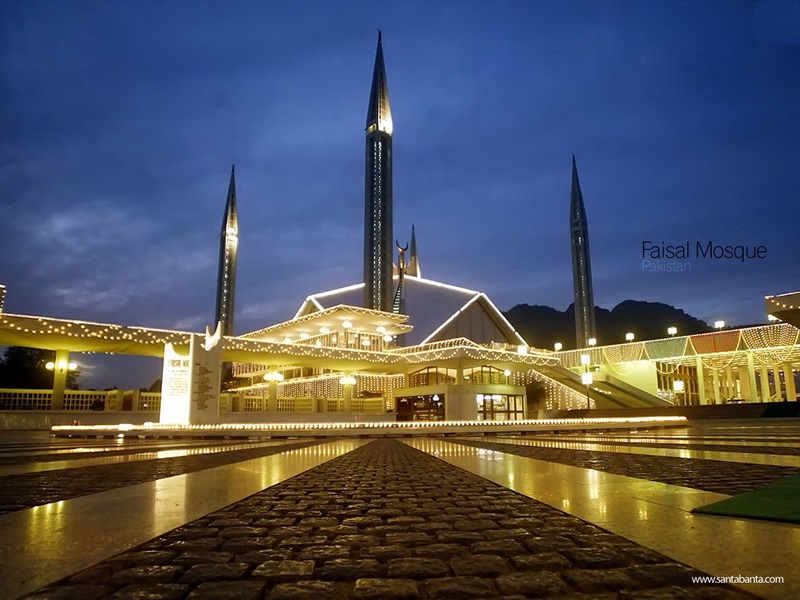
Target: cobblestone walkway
pixel 709 475
pixel 387 522
pixel 32 489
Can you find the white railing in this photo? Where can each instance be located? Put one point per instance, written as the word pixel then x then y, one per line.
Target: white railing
pixel 137 401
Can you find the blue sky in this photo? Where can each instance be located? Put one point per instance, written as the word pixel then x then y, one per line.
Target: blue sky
pixel 120 121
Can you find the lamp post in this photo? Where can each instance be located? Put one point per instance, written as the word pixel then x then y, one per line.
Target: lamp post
pixel 672 331
pixel 592 341
pixel 558 346
pixel 347 381
pixel 60 367
pixel 719 324
pixel 677 387
pixel 586 376
pixel 507 373
pixel 629 337
pixel 273 378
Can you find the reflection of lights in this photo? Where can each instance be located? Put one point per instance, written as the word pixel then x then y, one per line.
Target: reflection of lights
pixel 171 429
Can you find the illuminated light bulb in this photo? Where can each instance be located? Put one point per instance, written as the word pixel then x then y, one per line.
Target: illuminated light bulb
pixel 346 324
pixel 324 330
pixel 304 336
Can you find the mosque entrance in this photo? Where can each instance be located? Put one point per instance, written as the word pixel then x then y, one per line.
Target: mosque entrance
pixel 421 408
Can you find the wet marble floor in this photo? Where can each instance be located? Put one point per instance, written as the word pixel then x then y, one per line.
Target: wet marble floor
pixel 530 527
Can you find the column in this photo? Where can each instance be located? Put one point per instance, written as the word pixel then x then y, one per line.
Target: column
pixel 765 395
pixel 272 396
pixel 751 376
pixel 701 382
pixel 715 379
pixel 60 370
pixel 348 396
pixel 776 377
pixel 788 377
pixel 730 383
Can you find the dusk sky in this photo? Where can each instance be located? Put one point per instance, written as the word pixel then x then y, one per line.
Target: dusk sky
pixel 119 122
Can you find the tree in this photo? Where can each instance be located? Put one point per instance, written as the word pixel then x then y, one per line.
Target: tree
pixel 24 368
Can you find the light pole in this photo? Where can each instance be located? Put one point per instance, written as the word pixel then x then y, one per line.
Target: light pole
pixel 60 368
pixel 677 387
pixel 558 346
pixel 507 373
pixel 586 376
pixel 629 337
pixel 672 331
pixel 719 324
pixel 592 341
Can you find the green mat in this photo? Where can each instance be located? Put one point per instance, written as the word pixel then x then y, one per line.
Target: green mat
pixel 778 501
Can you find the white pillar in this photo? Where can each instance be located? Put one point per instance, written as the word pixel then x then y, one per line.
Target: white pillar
pixel 788 375
pixel 776 377
pixel 751 377
pixel 715 379
pixel 60 370
pixel 701 382
pixel 730 383
pixel 765 395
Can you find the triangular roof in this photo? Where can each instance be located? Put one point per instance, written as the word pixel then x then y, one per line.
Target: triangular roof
pixel 436 310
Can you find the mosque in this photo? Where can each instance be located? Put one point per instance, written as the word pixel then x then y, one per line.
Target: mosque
pixel 398 346
pixel 464 359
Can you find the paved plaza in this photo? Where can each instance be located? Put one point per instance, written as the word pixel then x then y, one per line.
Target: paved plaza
pixel 568 515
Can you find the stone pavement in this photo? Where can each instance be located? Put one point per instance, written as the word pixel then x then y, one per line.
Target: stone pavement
pixel 709 475
pixel 27 490
pixel 387 522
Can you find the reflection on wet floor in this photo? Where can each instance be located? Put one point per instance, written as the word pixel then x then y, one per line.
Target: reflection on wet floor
pixel 197 449
pixel 48 542
pixel 574 444
pixel 650 513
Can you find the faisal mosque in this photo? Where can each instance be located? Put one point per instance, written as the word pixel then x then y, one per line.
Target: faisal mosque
pixel 397 346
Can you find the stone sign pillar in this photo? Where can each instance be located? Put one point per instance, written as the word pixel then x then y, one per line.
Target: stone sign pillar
pixel 190 381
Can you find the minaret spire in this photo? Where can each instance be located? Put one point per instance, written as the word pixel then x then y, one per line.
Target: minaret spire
pixel 228 247
pixel 378 238
pixel 413 259
pixel 581 264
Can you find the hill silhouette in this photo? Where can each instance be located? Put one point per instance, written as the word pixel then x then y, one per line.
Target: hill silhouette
pixel 543 326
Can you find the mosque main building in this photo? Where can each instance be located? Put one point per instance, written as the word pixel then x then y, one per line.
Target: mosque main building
pixel 426 350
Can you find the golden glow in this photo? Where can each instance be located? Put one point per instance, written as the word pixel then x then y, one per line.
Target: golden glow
pixel 385 124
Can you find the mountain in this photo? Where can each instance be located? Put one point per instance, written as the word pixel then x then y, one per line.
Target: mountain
pixel 543 326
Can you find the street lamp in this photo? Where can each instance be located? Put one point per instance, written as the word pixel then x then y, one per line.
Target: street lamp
pixel 586 376
pixel 587 379
pixel 558 346
pixel 719 324
pixel 507 373
pixel 629 337
pixel 592 341
pixel 677 386
pixel 62 366
pixel 672 330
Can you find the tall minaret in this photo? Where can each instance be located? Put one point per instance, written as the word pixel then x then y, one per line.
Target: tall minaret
pixel 228 246
pixel 378 193
pixel 581 264
pixel 413 261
